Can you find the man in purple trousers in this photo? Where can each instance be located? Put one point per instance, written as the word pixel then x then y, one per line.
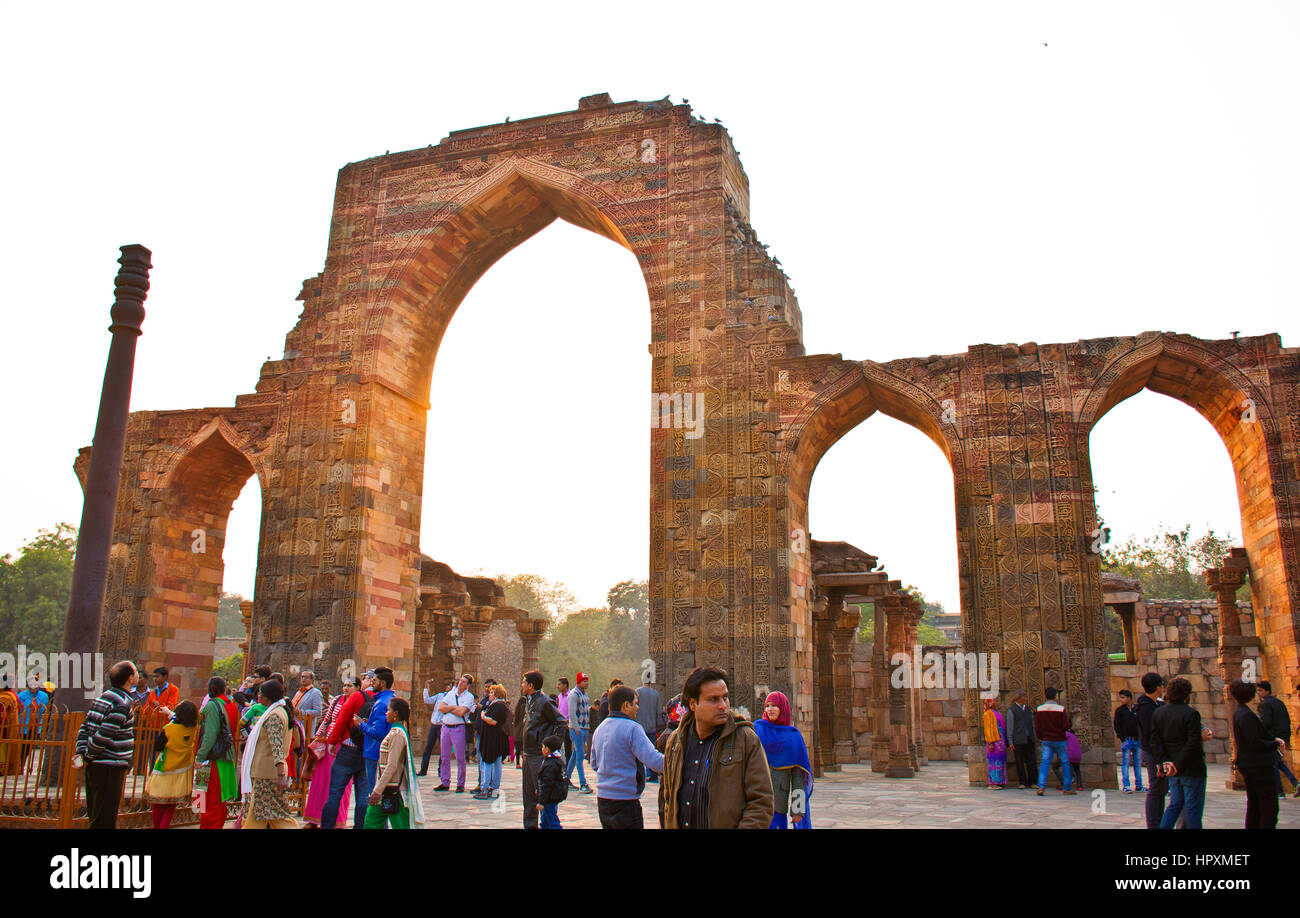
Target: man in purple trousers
pixel 455 707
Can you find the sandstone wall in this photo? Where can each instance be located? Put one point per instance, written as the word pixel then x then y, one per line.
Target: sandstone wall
pixel 1181 638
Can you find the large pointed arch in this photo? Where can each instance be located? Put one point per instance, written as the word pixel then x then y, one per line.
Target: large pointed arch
pixel 1239 409
pixel 463 238
pixel 164 473
pixel 192 491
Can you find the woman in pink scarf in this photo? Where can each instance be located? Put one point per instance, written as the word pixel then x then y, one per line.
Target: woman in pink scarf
pixel 319 791
pixel 787 759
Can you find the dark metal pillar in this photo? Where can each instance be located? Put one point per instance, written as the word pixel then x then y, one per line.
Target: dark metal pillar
pixel 95 537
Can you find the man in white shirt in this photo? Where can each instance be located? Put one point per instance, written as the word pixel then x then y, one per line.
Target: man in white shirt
pixel 456 706
pixel 435 723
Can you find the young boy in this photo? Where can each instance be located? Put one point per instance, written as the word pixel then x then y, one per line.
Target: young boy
pixel 552 785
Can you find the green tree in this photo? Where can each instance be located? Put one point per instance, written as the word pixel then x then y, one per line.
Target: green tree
pixel 230 622
pixel 1170 564
pixel 230 668
pixel 631 597
pixel 541 598
pixel 1114 634
pixel 34 590
pixel 604 643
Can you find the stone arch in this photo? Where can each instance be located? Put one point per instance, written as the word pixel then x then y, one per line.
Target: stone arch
pixel 457 245
pixel 424 259
pixel 848 400
pixel 195 488
pixel 165 471
pixel 855 396
pixel 1241 412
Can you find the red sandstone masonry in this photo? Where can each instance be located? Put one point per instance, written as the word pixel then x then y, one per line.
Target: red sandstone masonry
pixel 336 430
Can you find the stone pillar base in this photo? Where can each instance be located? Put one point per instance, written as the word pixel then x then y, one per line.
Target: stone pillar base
pixel 878 761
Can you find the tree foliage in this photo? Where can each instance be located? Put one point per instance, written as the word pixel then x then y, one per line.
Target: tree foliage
pixel 230 622
pixel 34 590
pixel 541 598
pixel 1169 564
pixel 631 597
pixel 606 643
pixel 230 668
pixel 1114 632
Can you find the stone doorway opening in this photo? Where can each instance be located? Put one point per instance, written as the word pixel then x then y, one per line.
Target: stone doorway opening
pixel 1245 427
pixel 189 555
pixel 858 711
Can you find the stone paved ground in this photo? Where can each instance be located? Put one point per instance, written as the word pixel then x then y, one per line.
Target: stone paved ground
pixel 857 798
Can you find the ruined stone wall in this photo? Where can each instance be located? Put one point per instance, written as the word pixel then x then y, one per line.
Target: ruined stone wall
pixel 503 655
pixel 862 697
pixel 1181 638
pixel 943 719
pixel 1014 422
pixel 181 473
pixel 336 432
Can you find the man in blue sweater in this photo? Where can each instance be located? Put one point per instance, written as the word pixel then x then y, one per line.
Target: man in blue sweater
pixel 620 754
pixel 376 726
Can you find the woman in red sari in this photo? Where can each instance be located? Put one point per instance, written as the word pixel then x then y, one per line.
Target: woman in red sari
pixel 319 790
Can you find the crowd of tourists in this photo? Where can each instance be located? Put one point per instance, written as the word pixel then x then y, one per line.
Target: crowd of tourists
pixel 28 709
pixel 1160 734
pixel 359 759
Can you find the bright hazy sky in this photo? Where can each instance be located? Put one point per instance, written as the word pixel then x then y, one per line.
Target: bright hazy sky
pixel 931 176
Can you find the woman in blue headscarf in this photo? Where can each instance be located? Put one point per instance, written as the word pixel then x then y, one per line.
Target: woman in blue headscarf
pixel 787 757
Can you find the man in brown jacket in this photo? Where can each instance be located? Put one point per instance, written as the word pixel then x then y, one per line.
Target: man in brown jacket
pixel 715 771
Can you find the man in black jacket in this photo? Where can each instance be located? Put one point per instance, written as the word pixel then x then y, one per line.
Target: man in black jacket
pixel 1020 733
pixel 1176 734
pixel 541 719
pixel 1126 728
pixel 1153 688
pixel 1277 721
pixel 1255 749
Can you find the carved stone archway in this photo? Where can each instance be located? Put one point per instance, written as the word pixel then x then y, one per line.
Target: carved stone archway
pixel 336 428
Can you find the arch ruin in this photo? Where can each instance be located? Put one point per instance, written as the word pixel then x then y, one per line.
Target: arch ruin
pixel 335 431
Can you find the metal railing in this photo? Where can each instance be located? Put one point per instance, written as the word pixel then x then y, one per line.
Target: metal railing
pixel 39 788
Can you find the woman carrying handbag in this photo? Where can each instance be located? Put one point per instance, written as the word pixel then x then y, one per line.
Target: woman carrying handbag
pixel 395 800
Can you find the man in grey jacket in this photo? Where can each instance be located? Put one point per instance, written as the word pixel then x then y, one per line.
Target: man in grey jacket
pixel 1020 731
pixel 650 714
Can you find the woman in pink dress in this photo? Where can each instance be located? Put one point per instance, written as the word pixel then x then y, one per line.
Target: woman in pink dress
pixel 319 790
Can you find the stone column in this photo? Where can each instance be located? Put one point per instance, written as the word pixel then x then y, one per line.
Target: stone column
pixel 916 743
pixel 845 634
pixel 880 688
pixel 246 613
pixel 474 622
pixel 530 632
pixel 900 758
pixel 826 609
pixel 1225 581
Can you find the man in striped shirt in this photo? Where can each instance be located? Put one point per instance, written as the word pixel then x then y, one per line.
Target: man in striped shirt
pixel 105 744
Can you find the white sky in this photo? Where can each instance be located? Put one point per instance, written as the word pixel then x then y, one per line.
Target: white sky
pixel 930 175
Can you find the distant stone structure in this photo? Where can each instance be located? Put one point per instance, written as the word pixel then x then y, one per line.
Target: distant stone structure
pixel 335 433
pixel 463 626
pixel 1174 637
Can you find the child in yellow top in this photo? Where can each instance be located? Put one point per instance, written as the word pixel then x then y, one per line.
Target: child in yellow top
pixel 172 780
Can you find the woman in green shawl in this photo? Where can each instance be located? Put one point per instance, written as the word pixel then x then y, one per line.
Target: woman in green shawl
pixel 220 721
